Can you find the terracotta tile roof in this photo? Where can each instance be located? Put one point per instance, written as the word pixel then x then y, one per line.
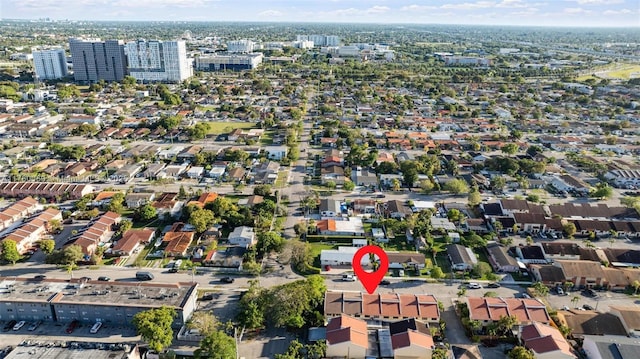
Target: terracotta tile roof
pixel 629 315
pixel 491 309
pixel 543 338
pixel 178 241
pixel 410 338
pixel 131 238
pixel 392 305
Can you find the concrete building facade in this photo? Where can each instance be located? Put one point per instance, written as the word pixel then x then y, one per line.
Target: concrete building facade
pixel 95 60
pixel 50 64
pixel 163 61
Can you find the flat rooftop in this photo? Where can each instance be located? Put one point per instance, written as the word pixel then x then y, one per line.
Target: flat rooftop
pixel 73 351
pixel 77 291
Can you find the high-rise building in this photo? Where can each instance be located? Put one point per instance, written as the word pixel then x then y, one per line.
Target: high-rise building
pixel 234 62
pixel 241 46
pixel 164 61
pixel 95 60
pixel 320 40
pixel 50 64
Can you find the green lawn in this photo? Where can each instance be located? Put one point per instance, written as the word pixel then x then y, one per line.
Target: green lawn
pixel 399 244
pixel 267 138
pixel 217 128
pixel 281 181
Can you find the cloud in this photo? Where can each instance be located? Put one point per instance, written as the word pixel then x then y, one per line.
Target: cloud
pixel 512 4
pixel 576 10
pixel 378 9
pixel 619 12
pixel 469 5
pixel 415 8
pixel 159 3
pixel 597 2
pixel 270 13
pixel 344 12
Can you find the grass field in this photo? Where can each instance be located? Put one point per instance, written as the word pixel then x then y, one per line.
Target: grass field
pixel 225 127
pixel 618 71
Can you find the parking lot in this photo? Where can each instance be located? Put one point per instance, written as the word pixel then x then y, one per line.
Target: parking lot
pixel 56 332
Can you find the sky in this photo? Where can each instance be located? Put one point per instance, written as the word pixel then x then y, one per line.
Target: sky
pixel 583 13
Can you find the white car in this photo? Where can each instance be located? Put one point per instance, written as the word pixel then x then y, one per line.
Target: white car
pixel 95 328
pixel 348 278
pixel 474 286
pixel 19 325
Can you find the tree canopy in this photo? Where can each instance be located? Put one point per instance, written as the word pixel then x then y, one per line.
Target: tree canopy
pixel 154 325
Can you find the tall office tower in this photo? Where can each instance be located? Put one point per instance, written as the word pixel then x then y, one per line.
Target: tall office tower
pixel 95 60
pixel 332 40
pixel 164 61
pixel 240 46
pixel 50 64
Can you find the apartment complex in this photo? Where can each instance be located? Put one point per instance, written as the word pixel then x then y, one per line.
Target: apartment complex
pixel 50 64
pixel 320 40
pixel 234 62
pixel 95 60
pixel 240 46
pixel 164 61
pixel 114 303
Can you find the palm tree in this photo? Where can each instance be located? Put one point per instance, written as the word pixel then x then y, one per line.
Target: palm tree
pixel 575 301
pixel 636 286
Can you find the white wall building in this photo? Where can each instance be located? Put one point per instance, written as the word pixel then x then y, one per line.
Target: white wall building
pixel 233 62
pixel 50 64
pixel 158 61
pixel 241 46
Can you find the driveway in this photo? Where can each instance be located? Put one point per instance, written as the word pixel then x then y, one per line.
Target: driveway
pixel 454 332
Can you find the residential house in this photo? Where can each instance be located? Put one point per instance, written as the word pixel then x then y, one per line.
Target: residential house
pixel 332 174
pixel 347 337
pixel 545 341
pixel 31 232
pixel 228 259
pixel 251 200
pixel 583 323
pixel 550 275
pixel 173 171
pixel 582 273
pixel 330 208
pixel 489 310
pixel 462 258
pixel 276 152
pixel 405 260
pixel 397 209
pixel 382 306
pixel 131 240
pixel 195 172
pixel 341 257
pixel 630 318
pixel 189 154
pixel 17 211
pixel 364 177
pixel 412 344
pixel 531 254
pixel 266 172
pixel 204 199
pixel 561 250
pixel 500 260
pixel 99 232
pixel 44 189
pixel 236 174
pixel 364 206
pixel 610 347
pixel 351 226
pixel 126 173
pixel 176 241
pixel 153 169
pixel 217 171
pixel 139 199
pixel 243 236
pixel 167 205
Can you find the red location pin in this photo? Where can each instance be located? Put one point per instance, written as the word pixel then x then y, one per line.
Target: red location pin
pixel 370 280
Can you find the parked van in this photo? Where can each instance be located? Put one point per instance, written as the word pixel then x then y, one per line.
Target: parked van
pixel 348 278
pixel 144 276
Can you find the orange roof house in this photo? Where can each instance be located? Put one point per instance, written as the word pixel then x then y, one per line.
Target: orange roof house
pixel 488 310
pixel 545 340
pixel 347 338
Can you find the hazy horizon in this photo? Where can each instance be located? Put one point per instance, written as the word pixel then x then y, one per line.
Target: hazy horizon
pixel 557 13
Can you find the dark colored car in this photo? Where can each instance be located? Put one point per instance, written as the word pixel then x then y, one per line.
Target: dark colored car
pixel 589 293
pixel 72 326
pixel 208 296
pixel 9 325
pixel 40 277
pixel 104 279
pixel 173 270
pixel 385 282
pixel 227 280
pixel 493 285
pixel 587 307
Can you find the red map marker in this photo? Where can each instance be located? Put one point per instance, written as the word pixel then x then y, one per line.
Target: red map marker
pixel 370 280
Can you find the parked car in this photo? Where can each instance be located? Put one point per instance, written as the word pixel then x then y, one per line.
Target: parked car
pixel 94 329
pixel 474 286
pixel 72 326
pixel 227 280
pixel 493 285
pixel 385 282
pixel 589 293
pixel 9 325
pixel 560 291
pixel 40 277
pixel 587 307
pixel 348 278
pixel 208 296
pixel 34 326
pixel 173 270
pixel 19 325
pixel 104 279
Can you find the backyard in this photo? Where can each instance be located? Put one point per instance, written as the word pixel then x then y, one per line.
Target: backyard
pixel 217 128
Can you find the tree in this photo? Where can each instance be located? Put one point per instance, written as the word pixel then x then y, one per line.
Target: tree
pixel 330 184
pixel 510 148
pixel 636 286
pixel 520 352
pixel 456 186
pixel 145 213
pixel 575 301
pixel 301 256
pixel 498 183
pixel 602 191
pixel 182 193
pixel 72 254
pixel 10 251
pixel 55 226
pixel 454 215
pixel 201 219
pixel 481 269
pixel 541 289
pixel 216 345
pixel 395 184
pixel 409 172
pixel 262 190
pixel 204 321
pixel 300 228
pixel 47 245
pixel 270 241
pixel 154 325
pixel 506 322
pixel 437 273
pixel 426 186
pixel 474 198
pixel 349 186
pixel 569 229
